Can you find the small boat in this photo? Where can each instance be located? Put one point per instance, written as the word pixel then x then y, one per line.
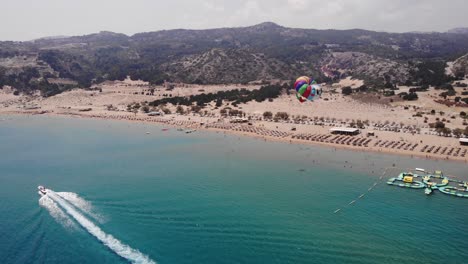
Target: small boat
pixel 428 191
pixel 42 191
pixel 147 133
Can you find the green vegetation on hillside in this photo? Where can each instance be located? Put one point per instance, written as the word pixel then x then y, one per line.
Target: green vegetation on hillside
pixel 236 96
pixel 229 55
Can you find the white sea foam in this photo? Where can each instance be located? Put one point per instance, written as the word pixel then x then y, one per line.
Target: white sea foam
pixel 112 243
pixel 56 212
pixel 81 204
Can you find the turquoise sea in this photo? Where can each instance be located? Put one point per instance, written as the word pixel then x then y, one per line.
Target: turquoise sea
pixel 120 195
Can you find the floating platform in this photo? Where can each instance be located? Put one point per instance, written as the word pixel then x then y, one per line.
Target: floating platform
pixel 430 182
pixel 435 182
pixel 401 183
pixel 458 192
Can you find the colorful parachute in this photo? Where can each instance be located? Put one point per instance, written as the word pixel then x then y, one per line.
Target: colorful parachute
pixel 307 89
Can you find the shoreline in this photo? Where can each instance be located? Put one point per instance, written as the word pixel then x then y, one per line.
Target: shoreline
pixel 238 129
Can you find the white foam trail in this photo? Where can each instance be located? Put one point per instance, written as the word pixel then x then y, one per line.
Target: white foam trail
pixel 56 212
pixel 114 244
pixel 81 204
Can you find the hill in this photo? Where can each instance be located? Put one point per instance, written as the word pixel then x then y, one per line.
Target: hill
pixel 262 52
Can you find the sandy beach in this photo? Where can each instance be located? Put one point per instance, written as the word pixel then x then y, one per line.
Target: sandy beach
pixel 395 125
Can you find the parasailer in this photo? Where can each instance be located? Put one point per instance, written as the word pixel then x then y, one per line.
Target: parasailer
pixel 307 89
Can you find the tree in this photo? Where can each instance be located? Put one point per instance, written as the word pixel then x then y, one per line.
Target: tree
pixel 346 90
pixel 388 85
pixel 195 108
pixel 359 124
pixel 282 115
pixel 439 124
pixel 389 93
pixel 446 131
pixel 463 114
pixel 410 97
pixel 180 110
pixel 267 115
pixel 457 132
pixel 219 103
pixel 223 112
pixel 16 93
pixel 166 111
pixel 445 86
pixel 145 109
pixel 363 88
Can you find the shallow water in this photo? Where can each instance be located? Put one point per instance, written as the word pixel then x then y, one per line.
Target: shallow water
pixel 214 198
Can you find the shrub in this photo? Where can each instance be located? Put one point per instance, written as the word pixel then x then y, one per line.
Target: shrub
pixel 180 110
pixel 195 108
pixel 282 115
pixel 448 93
pixel 410 96
pixel 439 124
pixel 346 90
pixel 457 132
pixel 145 109
pixel 267 115
pixel 166 111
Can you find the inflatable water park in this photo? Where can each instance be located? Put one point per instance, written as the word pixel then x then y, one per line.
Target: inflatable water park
pixel 430 181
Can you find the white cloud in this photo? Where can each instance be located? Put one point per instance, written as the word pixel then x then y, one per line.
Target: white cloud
pixel 298 5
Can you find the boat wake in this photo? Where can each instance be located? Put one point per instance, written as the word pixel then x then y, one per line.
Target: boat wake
pixel 81 204
pixel 60 208
pixel 56 212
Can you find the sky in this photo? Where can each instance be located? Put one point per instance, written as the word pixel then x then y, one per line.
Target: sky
pixel 22 20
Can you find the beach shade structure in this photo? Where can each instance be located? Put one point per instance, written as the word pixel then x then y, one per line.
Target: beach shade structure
pixel 464 141
pixel 307 89
pixel 345 131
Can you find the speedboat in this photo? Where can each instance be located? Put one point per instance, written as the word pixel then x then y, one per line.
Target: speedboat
pixel 42 191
